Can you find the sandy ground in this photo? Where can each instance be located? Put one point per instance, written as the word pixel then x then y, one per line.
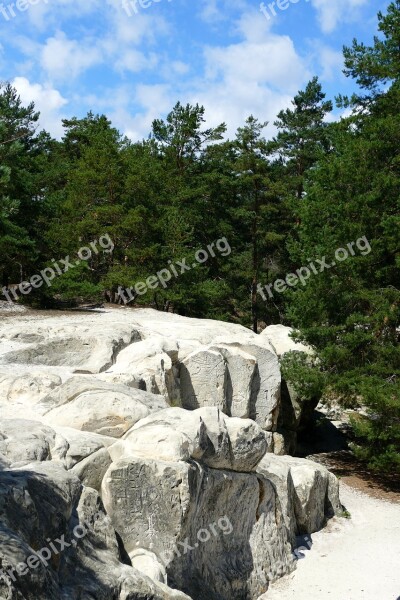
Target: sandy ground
pixel 352 559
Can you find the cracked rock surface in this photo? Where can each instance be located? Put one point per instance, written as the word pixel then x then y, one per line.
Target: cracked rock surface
pixel 139 460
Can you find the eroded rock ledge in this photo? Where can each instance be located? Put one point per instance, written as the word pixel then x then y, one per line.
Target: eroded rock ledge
pixel 153 436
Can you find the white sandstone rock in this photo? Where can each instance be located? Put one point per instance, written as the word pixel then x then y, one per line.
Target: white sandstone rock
pixel 23 442
pixel 241 371
pixel 91 470
pixel 280 338
pixel 203 379
pixel 91 353
pixel 79 445
pixel 175 473
pixel 147 563
pixel 308 492
pixel 204 434
pixel 103 411
pixel 237 538
pixel 29 387
pixel 152 362
pixel 266 382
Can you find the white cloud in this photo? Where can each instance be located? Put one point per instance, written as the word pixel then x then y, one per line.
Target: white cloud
pixel 210 11
pixel 253 27
pixel 214 11
pixel 49 13
pixel 273 63
pixel 257 76
pixel 332 12
pixel 64 59
pixel 135 61
pixel 151 102
pixel 179 67
pixel 47 100
pixel 252 70
pixel 235 105
pixel 332 63
pixel 125 45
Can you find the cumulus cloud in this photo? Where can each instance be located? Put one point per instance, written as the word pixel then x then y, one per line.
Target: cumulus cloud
pixel 64 59
pixel 144 65
pixel 273 63
pixel 47 100
pixel 331 62
pixel 258 75
pixel 332 12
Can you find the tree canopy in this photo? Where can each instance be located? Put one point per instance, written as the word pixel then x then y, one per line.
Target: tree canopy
pixel 246 219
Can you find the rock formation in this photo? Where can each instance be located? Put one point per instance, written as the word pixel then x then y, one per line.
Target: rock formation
pixel 295 413
pixel 139 460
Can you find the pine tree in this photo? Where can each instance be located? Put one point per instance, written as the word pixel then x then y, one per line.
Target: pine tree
pixel 351 311
pixel 18 194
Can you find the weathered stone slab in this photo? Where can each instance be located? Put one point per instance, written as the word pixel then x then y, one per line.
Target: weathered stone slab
pixel 205 434
pixel 308 492
pixel 203 380
pixel 165 507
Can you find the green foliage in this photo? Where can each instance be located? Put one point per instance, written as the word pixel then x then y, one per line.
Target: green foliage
pixel 303 373
pixel 314 188
pixel 303 136
pixel 18 210
pixel 378 434
pixel 77 283
pixel 351 312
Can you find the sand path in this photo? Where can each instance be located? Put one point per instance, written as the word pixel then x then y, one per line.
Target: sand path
pixel 352 559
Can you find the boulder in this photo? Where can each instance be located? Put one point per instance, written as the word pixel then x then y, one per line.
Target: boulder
pixel 27 387
pixel 97 406
pixel 101 412
pixel 99 546
pixel 153 363
pixel 239 375
pixel 203 380
pixel 218 533
pixel 23 442
pixel 10 307
pixel 205 434
pixel 284 442
pixel 279 336
pixel 194 502
pixel 80 444
pixel 219 364
pixel 53 537
pixel 84 353
pixel 241 371
pixel 308 492
pixel 295 413
pixel 147 563
pixel 21 391
pixel 266 381
pixel 75 386
pixel 37 501
pixel 92 469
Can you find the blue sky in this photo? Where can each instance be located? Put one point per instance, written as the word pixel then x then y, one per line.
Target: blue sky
pixel 72 56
